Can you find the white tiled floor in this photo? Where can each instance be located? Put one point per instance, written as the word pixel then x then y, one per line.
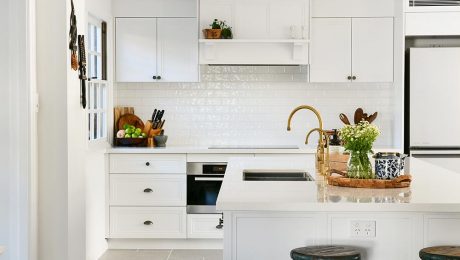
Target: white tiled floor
pixel 162 255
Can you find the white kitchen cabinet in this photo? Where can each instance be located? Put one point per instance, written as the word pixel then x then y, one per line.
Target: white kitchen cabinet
pixel 330 50
pixel 156 50
pixel 136 49
pixel 372 49
pixel 148 222
pixel 204 226
pixel 147 163
pixel 352 8
pixel 178 49
pixel 351 50
pixel 148 190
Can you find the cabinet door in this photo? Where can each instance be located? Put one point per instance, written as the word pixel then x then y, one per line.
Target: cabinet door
pixel 330 50
pixel 372 49
pixel 178 49
pixel 136 49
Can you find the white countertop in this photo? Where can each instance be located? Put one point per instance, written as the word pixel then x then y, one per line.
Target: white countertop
pixel 206 150
pixel 433 189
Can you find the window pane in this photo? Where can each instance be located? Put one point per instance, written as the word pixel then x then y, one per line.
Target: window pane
pixel 95 126
pixel 89 127
pixel 102 125
pixel 93 66
pixel 98 67
pixel 104 96
pixel 95 88
pixel 98 39
pixel 89 97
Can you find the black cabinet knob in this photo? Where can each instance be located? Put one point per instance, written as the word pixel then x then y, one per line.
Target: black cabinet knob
pixel 158 77
pixel 148 223
pixel 354 77
pixel 148 190
pixel 147 164
pixel 154 77
pixel 349 78
pixel 221 224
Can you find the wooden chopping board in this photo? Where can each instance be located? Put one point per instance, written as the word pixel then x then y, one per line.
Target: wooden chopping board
pixel 402 181
pixel 130 119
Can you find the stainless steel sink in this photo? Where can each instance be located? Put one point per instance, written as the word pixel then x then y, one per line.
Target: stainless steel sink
pixel 276 175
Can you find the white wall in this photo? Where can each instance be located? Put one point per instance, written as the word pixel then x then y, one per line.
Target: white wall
pixel 61 134
pixel 251 104
pixel 95 161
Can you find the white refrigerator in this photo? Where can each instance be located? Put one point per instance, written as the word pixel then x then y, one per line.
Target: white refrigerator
pixel 434 106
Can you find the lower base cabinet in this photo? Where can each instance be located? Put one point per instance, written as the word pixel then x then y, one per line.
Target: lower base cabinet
pixel 204 226
pixel 148 222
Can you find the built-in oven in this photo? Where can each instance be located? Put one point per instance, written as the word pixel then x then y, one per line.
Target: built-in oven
pixel 203 184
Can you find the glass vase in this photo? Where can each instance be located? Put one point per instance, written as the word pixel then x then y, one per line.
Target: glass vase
pixel 359 165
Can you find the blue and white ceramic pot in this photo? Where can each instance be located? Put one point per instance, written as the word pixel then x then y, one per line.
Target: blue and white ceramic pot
pixel 389 165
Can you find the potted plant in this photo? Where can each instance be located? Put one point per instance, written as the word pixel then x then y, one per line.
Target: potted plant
pixel 215 32
pixel 358 140
pixel 226 31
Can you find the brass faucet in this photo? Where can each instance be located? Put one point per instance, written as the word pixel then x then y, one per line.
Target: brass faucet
pixel 322 158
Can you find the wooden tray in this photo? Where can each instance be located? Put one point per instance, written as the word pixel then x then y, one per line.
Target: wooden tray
pixel 402 181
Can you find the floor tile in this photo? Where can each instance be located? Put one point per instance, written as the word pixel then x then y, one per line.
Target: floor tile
pixel 196 255
pixel 136 255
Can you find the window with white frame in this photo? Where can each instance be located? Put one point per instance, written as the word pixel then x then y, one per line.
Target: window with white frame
pixel 97 79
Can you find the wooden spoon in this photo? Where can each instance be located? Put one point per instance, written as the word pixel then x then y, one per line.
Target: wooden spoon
pixel 372 117
pixel 358 115
pixel 344 119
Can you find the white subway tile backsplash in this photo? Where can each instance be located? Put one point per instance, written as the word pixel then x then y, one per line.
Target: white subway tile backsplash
pixel 250 105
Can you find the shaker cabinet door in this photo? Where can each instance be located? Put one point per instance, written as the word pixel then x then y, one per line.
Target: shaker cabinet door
pixel 372 52
pixel 330 50
pixel 136 55
pixel 178 50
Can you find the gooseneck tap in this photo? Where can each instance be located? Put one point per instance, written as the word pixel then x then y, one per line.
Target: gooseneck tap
pixel 322 158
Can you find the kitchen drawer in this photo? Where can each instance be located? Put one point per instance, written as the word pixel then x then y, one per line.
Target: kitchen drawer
pixel 147 163
pixel 148 190
pixel 216 157
pixel 204 226
pixel 133 222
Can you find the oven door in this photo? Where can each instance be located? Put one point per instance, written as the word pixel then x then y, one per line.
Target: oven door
pixel 202 192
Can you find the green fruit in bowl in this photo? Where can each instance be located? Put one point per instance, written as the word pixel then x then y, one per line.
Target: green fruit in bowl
pixel 144 135
pixel 138 131
pixel 129 131
pixel 125 126
pixel 127 136
pixel 134 135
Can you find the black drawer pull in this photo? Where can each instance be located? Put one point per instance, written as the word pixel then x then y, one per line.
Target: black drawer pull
pixel 148 223
pixel 147 164
pixel 148 190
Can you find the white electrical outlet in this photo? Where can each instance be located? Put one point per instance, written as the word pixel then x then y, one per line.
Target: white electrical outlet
pixel 362 228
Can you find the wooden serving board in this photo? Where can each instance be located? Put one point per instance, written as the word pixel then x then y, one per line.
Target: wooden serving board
pixel 402 181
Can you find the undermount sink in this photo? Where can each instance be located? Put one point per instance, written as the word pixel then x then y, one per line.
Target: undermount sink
pixel 276 175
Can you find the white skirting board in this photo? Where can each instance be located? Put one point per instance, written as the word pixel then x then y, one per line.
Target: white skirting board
pixel 165 243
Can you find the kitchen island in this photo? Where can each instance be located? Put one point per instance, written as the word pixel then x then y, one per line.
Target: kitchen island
pixel 266 219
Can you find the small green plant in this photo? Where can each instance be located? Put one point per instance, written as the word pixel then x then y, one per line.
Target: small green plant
pixel 227 32
pixel 359 137
pixel 216 24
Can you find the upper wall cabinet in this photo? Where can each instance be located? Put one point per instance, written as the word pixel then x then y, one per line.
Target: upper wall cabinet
pixel 156 50
pixel 263 31
pixel 351 50
pixel 155 8
pixel 353 8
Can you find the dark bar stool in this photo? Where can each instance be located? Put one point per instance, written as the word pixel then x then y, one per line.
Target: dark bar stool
pixel 440 253
pixel 325 253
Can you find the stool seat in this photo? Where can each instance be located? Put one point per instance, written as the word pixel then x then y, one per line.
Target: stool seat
pixel 325 253
pixel 440 253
